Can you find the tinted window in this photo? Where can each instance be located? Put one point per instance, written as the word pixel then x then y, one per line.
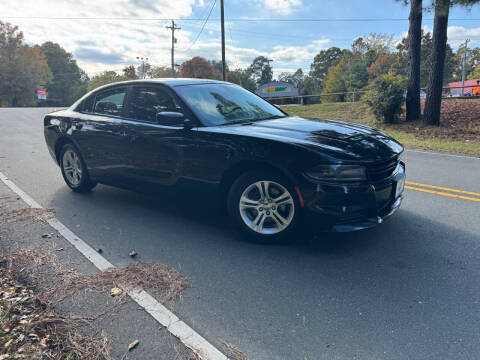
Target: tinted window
pixel 218 104
pixel 147 101
pixel 86 105
pixel 110 102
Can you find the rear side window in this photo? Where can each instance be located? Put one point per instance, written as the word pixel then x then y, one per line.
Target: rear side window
pixel 147 101
pixel 86 105
pixel 110 102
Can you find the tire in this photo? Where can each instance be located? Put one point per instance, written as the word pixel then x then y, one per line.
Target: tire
pixel 262 218
pixel 74 170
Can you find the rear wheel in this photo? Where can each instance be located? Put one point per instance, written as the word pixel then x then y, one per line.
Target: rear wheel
pixel 74 170
pixel 264 206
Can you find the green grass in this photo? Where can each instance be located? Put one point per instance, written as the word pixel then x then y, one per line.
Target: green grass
pixel 360 113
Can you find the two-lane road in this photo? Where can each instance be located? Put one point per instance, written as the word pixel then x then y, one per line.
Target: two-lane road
pixel 408 289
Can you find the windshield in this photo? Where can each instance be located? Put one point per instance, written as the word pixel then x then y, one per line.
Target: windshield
pixel 221 104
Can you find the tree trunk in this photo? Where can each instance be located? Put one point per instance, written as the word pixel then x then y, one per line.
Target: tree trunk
pixel 414 54
pixel 435 82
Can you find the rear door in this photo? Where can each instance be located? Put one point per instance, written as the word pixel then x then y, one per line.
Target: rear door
pixel 100 133
pixel 158 147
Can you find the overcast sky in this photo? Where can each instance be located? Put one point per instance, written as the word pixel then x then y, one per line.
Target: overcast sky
pixel 112 44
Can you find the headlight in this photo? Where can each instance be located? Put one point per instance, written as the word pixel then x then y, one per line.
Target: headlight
pixel 338 172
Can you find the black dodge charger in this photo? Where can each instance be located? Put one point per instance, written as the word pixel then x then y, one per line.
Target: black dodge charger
pixel 275 172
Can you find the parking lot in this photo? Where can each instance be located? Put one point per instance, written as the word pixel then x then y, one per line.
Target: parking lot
pixel 408 289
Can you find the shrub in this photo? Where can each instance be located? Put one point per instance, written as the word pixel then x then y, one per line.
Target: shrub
pixel 385 97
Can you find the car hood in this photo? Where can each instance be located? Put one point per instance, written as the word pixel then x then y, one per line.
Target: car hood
pixel 343 140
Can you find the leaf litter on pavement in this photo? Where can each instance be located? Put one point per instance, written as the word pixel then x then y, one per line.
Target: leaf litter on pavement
pixel 30 329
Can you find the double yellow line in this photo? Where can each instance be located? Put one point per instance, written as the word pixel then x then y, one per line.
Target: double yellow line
pixel 432 189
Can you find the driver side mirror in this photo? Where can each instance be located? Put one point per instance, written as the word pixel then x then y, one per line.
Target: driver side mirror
pixel 170 118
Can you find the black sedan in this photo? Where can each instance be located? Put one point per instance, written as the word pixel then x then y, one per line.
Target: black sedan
pixel 275 172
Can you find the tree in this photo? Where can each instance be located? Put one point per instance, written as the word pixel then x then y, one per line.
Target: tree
pixel 104 78
pixel 322 62
pixel 261 70
pixel 217 64
pixel 199 67
pixel 414 57
pixel 426 59
pixel 435 82
pixel 381 43
pixel 130 72
pixel 23 69
pixel 334 83
pixel 242 77
pixel 296 78
pixel 396 63
pixel 69 81
pixel 472 60
pixel 355 74
pixel 159 72
pixel 475 74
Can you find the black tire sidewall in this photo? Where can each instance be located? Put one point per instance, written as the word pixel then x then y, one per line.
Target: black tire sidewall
pixel 85 183
pixel 236 191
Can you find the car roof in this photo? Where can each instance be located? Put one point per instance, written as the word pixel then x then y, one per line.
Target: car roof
pixel 173 81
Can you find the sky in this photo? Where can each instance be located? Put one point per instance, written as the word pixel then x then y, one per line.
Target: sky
pixel 110 34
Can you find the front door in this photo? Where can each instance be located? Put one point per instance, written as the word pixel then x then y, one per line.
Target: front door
pixel 158 148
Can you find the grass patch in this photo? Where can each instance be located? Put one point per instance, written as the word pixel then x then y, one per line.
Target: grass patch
pixel 448 138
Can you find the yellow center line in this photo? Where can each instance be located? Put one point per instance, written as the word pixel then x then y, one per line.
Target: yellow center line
pixel 442 193
pixel 442 188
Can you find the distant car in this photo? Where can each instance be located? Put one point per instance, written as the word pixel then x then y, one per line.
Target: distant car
pixel 275 172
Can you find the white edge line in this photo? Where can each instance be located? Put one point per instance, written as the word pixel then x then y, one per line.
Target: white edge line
pixel 189 337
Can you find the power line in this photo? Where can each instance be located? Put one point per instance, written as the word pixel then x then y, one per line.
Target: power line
pixel 233 19
pixel 203 26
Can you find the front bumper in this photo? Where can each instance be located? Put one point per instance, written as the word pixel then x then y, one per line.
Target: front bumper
pixel 351 207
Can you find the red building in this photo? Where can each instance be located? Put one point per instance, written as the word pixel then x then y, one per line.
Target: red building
pixel 456 87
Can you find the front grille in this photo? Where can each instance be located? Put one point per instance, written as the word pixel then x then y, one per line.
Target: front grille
pixel 381 171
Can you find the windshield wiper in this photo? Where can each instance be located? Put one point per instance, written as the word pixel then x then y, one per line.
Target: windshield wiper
pixel 237 122
pixel 273 117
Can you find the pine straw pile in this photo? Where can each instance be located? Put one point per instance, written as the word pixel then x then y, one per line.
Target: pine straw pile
pixel 34 267
pixel 459 121
pixel 25 214
pixel 30 330
pixel 234 352
pixel 32 281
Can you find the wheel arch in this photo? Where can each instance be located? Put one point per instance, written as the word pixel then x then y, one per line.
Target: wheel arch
pixel 60 143
pixel 233 172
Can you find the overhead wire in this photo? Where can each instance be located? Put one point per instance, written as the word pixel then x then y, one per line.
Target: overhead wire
pixel 203 26
pixel 232 19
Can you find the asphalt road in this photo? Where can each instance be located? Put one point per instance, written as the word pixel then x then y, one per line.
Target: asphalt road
pixel 408 289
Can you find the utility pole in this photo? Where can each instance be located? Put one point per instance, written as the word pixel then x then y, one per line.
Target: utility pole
pixel 224 65
pixel 173 27
pixel 464 59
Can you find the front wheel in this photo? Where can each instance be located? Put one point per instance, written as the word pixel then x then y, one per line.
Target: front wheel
pixel 264 206
pixel 74 170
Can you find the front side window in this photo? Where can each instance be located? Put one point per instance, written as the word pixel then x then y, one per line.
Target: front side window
pixel 220 104
pixel 110 102
pixel 148 101
pixel 86 106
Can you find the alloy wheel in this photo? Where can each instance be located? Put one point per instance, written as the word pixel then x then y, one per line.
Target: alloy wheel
pixel 72 167
pixel 266 207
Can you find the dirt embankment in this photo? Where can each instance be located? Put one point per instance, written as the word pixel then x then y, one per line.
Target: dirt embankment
pixel 459 120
